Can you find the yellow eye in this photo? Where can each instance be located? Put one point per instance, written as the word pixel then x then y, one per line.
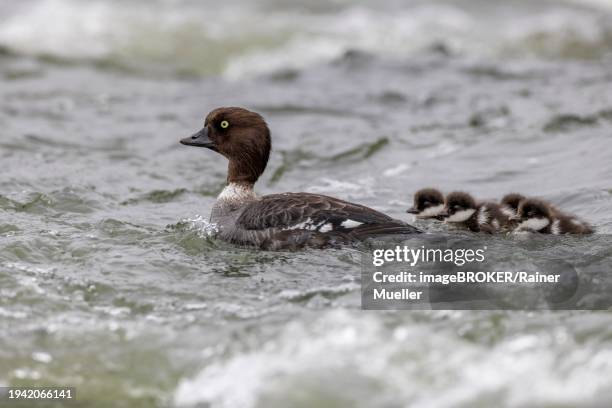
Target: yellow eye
pixel 224 124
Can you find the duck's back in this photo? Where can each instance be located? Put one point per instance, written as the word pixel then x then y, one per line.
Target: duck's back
pixel 293 220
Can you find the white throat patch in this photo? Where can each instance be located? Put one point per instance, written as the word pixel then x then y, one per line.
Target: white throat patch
pixel 461 216
pixel 431 211
pixel 533 224
pixel 236 193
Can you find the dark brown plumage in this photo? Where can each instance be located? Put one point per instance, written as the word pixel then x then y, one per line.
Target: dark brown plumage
pixel 512 201
pixel 427 203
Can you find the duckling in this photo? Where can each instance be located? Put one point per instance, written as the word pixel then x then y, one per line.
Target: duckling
pixel 537 215
pixel 510 204
pixel 461 208
pixel 428 203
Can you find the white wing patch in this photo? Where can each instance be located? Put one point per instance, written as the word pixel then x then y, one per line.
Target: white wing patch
pixel 431 211
pixel 307 224
pixel 461 216
pixel 323 226
pixel 351 224
pixel 326 227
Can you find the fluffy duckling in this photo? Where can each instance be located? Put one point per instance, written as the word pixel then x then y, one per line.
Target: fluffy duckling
pixel 538 216
pixel 461 208
pixel 510 204
pixel 428 203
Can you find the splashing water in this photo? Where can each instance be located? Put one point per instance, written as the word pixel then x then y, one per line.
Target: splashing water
pixel 202 227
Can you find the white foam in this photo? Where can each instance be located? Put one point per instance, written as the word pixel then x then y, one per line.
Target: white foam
pixel 33 270
pixel 42 357
pixel 397 170
pixel 263 40
pixel 358 358
pixel 605 4
pixel 203 227
pixel 293 294
pixel 60 28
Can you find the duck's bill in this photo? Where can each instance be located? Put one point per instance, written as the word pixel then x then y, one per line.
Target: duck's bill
pixel 412 211
pixel 199 139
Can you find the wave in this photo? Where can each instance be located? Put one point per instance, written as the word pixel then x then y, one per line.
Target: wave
pixel 249 38
pixel 343 358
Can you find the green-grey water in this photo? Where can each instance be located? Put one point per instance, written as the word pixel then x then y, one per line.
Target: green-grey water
pixel 110 279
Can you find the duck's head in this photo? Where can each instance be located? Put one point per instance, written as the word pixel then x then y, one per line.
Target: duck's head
pixel 459 207
pixel 534 214
pixel 241 136
pixel 512 201
pixel 428 203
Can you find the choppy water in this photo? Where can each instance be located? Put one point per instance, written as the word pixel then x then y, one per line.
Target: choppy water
pixel 109 281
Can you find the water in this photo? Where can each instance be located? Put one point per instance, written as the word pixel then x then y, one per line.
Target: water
pixel 109 278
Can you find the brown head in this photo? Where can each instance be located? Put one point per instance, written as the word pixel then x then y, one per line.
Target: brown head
pixel 534 209
pixel 512 200
pixel 534 215
pixel 428 203
pixel 459 206
pixel 241 136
